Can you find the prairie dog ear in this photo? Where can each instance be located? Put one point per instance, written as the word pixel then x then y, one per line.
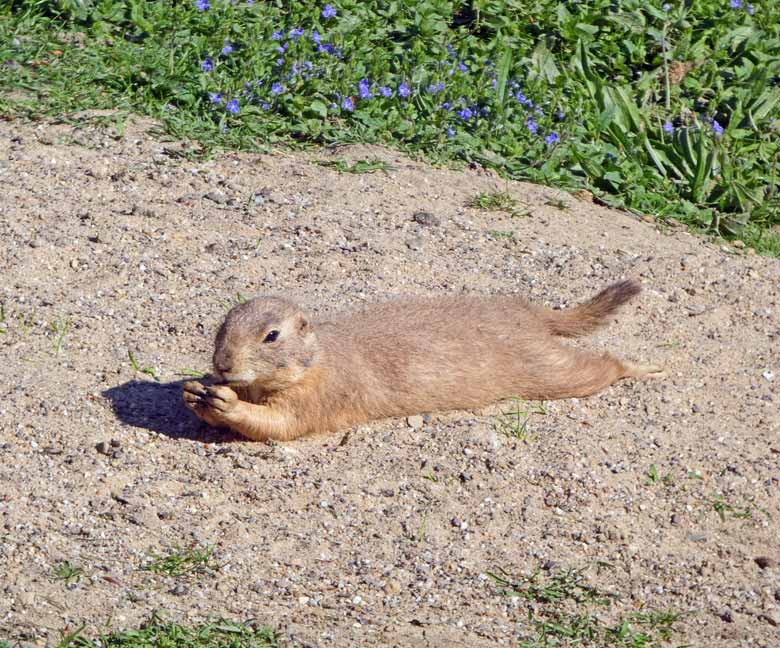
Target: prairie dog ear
pixel 302 324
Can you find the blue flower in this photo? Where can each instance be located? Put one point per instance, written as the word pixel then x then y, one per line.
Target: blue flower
pixel 716 127
pixel 266 106
pixel 328 11
pixel 465 114
pixel 327 48
pixel 463 67
pixel 749 9
pixel 315 37
pixel 296 33
pixel 385 91
pixel 403 90
pixel 227 48
pixel 347 104
pixel 531 125
pixel 520 97
pixel 450 131
pixel 436 88
pixel 666 7
pixel 450 50
pixel 551 139
pixel 277 88
pixel 668 127
pixel 277 35
pixel 282 48
pixel 735 4
pixel 232 107
pixel 207 65
pixel 202 5
pixel 280 61
pixel 215 97
pixel 364 89
pixel 446 105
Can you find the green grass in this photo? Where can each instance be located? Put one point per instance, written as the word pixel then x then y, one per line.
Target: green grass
pixel 670 113
pixel 179 562
pixel 149 371
pixel 157 633
pixel 66 572
pixel 553 623
pixel 358 167
pixel 514 422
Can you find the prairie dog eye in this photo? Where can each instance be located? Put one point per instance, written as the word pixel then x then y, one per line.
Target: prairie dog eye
pixel 272 335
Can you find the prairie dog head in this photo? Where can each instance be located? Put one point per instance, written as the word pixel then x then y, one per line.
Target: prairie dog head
pixel 267 341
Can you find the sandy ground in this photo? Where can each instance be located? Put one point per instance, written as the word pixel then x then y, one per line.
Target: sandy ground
pixel 383 537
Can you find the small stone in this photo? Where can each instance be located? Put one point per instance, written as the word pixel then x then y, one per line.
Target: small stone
pixel 675 519
pixel 357 600
pixel 726 615
pixel 217 197
pixel 415 243
pixel 455 522
pixel 740 245
pixel 765 562
pixel 33 243
pixel 103 448
pixel 426 219
pixel 115 443
pixel 697 537
pixel 768 375
pixel 772 615
pixel 415 422
pixel 179 590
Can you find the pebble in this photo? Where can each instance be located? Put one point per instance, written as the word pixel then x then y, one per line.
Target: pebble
pixel 426 219
pixel 415 422
pixel 765 562
pixel 217 197
pixel 769 375
pixel 726 615
pixel 772 615
pixel 416 243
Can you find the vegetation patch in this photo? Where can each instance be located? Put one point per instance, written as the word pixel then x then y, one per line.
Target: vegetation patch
pixel 667 109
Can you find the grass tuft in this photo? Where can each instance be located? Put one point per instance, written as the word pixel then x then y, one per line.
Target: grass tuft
pixel 217 633
pixel 179 562
pixel 514 422
pixel 66 572
pixel 358 167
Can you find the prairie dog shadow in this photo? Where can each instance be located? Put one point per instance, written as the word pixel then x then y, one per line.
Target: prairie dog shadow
pixel 158 407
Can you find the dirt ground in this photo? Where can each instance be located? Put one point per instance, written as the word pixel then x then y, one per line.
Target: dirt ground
pixel 666 493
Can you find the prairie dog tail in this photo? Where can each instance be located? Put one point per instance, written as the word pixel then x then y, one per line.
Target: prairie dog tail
pixel 587 317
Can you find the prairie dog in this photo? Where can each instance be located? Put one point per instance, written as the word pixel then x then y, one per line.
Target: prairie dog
pixel 283 376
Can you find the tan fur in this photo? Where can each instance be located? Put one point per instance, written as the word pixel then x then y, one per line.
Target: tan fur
pixel 398 358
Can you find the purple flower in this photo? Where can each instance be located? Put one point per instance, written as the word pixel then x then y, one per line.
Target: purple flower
pixel 716 127
pixel 436 88
pixel 446 105
pixel 202 5
pixel 280 61
pixel 520 97
pixel 207 65
pixel 347 104
pixel 266 106
pixel 403 90
pixel 277 35
pixel 227 48
pixel 531 125
pixel 450 131
pixel 551 139
pixel 232 107
pixel 450 50
pixel 666 7
pixel 735 4
pixel 364 89
pixel 282 48
pixel 463 67
pixel 327 48
pixel 328 11
pixel 668 127
pixel 296 33
pixel 385 91
pixel 215 97
pixel 277 88
pixel 465 114
pixel 749 9
pixel 315 37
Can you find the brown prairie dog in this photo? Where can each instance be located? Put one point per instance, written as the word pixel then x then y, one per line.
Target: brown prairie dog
pixel 284 376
